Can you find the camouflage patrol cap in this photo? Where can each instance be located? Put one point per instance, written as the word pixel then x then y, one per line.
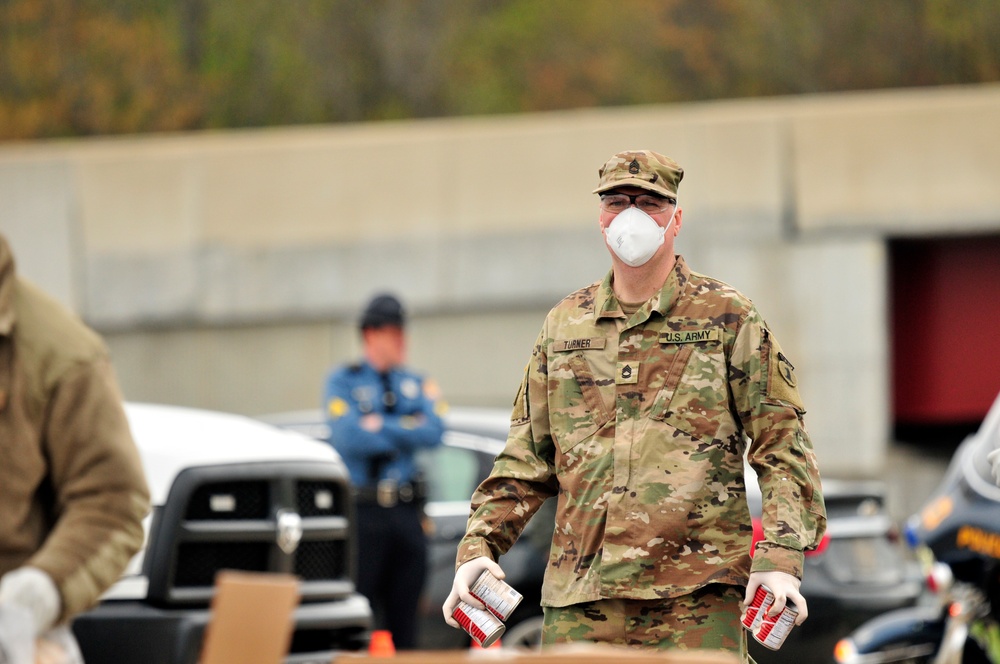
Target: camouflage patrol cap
pixel 641 168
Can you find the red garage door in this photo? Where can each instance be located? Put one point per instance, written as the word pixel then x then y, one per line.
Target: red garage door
pixel 945 329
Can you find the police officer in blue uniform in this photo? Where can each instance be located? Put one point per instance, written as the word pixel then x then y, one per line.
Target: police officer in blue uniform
pixel 380 414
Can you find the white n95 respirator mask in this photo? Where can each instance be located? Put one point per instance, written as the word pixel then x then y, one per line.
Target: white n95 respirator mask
pixel 634 236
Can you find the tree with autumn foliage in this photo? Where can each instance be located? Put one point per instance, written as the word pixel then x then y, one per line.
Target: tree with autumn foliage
pixel 92 67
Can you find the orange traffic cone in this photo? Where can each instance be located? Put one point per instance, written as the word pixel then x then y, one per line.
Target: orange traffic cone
pixel 381 644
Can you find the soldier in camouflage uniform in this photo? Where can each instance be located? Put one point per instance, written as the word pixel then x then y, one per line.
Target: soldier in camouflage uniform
pixel 641 398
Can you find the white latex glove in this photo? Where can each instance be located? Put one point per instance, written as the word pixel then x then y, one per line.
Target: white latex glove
pixel 785 588
pixel 994 458
pixel 32 589
pixel 466 575
pixel 17 635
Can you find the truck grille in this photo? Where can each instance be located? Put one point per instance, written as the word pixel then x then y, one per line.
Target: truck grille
pixel 199 561
pixel 227 517
pixel 220 501
pixel 317 498
pixel 320 560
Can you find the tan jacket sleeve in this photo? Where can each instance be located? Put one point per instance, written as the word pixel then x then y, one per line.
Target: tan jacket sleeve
pixel 99 489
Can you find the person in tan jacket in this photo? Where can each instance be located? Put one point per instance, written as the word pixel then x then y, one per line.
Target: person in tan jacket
pixel 72 488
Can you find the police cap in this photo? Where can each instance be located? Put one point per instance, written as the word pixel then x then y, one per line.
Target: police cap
pixel 382 310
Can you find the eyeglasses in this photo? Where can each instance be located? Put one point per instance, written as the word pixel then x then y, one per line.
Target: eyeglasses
pixel 648 203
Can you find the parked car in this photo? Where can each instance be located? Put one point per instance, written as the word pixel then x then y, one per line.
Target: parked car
pixel 229 492
pixel 860 570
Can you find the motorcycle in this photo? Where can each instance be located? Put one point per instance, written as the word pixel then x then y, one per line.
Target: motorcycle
pixel 956 537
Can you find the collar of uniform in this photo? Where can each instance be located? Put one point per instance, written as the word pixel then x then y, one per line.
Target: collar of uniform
pixel 672 287
pixel 606 304
pixel 7 279
pixel 368 367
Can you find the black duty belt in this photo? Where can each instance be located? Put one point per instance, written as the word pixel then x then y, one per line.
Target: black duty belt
pixel 389 493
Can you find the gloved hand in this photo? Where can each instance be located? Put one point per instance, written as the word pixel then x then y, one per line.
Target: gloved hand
pixel 466 575
pixel 785 588
pixel 994 458
pixel 17 635
pixel 33 590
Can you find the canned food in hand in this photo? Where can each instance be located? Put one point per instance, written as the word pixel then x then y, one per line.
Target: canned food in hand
pixel 769 631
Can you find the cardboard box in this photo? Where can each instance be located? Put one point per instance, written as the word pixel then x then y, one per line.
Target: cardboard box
pixel 251 620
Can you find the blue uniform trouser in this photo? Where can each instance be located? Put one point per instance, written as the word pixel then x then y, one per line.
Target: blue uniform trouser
pixel 392 564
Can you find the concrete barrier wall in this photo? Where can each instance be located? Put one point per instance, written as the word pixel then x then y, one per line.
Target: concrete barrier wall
pixel 226 268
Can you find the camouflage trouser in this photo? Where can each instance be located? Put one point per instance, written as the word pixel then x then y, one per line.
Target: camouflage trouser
pixel 708 618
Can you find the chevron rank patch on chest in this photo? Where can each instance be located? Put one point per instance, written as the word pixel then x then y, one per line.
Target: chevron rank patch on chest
pixel 627 373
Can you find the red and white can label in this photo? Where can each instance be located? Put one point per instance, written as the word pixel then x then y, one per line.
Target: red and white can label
pixel 498 596
pixel 761 602
pixel 769 631
pixel 481 625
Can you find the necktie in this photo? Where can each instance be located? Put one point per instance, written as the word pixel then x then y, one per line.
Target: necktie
pixel 388 396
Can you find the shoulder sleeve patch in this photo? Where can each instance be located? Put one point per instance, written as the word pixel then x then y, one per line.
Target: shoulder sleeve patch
pixel 782 384
pixel 431 389
pixel 337 408
pixel 520 413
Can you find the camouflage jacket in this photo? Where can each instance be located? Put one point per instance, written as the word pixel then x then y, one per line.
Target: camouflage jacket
pixel 639 426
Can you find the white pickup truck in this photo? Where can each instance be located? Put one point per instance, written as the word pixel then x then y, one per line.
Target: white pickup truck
pixel 229 492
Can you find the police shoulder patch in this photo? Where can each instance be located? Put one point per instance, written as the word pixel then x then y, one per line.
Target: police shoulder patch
pixel 337 407
pixel 431 389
